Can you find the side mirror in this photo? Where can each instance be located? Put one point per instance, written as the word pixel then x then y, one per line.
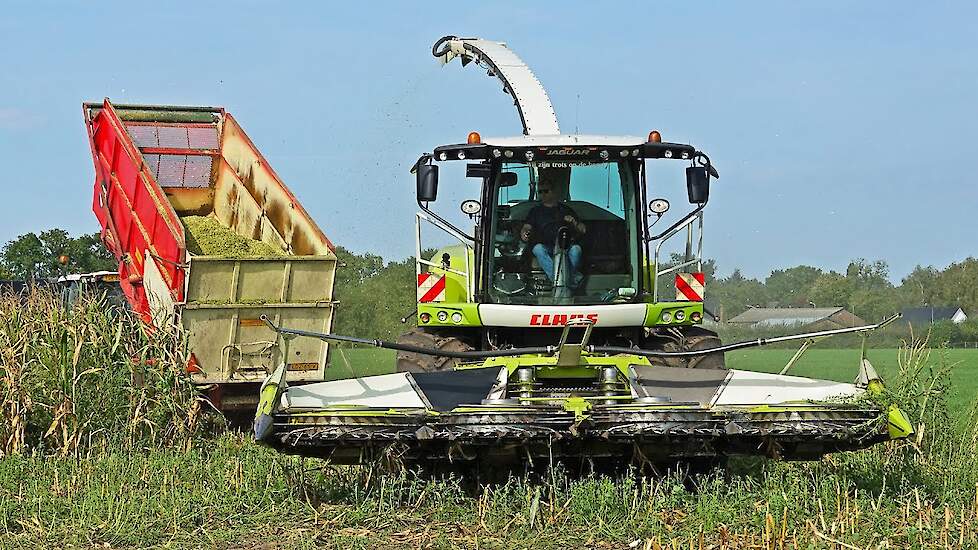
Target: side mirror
pixel 507 179
pixel 427 175
pixel 698 184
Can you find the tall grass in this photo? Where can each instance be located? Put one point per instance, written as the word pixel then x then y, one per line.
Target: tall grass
pixel 86 376
pixel 101 449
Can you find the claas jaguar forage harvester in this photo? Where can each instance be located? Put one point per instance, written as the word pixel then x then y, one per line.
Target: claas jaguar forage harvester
pixel 556 329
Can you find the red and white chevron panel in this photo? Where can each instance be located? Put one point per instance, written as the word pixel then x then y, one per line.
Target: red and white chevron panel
pixel 431 288
pixel 690 286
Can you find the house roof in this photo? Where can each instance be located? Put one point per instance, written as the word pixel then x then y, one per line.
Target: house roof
pixel 785 315
pixel 929 314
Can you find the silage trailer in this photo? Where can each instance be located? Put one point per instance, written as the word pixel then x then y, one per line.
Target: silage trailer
pixel 155 164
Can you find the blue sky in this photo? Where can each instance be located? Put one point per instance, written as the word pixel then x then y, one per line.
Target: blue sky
pixel 841 130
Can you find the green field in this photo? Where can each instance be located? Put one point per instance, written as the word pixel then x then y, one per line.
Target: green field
pixel 832 364
pixel 105 443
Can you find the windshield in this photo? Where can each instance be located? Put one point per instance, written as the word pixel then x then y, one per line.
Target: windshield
pixel 564 233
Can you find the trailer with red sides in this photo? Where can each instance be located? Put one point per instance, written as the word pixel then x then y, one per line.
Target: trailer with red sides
pixel 155 164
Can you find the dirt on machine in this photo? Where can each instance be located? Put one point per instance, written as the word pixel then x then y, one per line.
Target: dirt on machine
pixel 208 236
pixel 557 328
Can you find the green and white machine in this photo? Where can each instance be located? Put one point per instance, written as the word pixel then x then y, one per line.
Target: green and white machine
pixel 556 329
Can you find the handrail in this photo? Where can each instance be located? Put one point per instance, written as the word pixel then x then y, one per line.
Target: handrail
pixel 419 261
pixel 665 236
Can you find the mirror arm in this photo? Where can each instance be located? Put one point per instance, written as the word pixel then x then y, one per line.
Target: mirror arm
pixel 426 210
pixel 706 162
pixel 425 158
pixel 685 219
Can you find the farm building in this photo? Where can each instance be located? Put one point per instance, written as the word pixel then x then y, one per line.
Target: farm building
pixel 929 314
pixel 815 318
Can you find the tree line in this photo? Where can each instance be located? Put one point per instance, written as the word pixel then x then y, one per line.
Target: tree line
pixel 52 253
pixel 375 294
pixel 863 289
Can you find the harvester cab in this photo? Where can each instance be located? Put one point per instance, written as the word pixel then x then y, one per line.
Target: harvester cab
pixel 564 230
pixel 547 333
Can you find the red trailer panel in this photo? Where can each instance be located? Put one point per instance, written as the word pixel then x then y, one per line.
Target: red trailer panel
pixel 155 164
pixel 135 215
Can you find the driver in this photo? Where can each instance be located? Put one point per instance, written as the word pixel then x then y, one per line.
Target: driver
pixel 541 228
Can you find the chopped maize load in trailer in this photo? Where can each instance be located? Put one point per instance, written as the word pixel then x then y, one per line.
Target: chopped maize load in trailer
pixel 208 236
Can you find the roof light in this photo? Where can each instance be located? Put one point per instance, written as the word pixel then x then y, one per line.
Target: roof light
pixel 442 156
pixel 509 154
pixel 461 155
pixel 529 155
pixel 655 137
pixel 603 155
pixel 624 153
pixel 497 153
pixel 474 138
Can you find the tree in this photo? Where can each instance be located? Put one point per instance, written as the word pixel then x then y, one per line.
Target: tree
pixel 868 275
pixel 792 287
pixel 920 287
pixel 874 304
pixel 372 307
pixel 736 293
pixel 355 268
pixel 831 289
pixel 33 256
pixel 956 286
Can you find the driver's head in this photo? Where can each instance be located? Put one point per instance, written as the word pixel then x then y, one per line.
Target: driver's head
pixel 545 190
pixel 549 186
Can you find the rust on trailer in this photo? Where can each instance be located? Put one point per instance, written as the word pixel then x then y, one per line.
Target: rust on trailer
pixel 156 164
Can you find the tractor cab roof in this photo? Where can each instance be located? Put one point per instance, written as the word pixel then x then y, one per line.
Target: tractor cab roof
pixel 563 147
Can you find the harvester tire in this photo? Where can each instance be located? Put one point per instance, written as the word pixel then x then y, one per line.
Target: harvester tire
pixel 694 338
pixel 416 362
pixel 700 338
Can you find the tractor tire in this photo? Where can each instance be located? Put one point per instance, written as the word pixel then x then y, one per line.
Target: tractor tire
pixel 426 338
pixel 700 338
pixel 694 338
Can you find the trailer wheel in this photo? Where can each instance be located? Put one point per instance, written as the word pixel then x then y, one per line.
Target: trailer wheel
pixel 426 338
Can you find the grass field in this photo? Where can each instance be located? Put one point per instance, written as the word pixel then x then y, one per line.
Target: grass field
pixel 832 364
pixel 104 444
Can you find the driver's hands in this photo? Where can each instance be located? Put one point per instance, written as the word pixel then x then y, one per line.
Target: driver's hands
pixel 525 233
pixel 577 225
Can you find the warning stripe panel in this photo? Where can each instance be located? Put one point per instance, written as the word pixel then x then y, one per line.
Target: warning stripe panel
pixel 690 286
pixel 431 288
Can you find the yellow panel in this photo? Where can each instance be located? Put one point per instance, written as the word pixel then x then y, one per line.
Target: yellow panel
pixel 310 282
pixel 190 201
pixel 276 203
pixel 231 347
